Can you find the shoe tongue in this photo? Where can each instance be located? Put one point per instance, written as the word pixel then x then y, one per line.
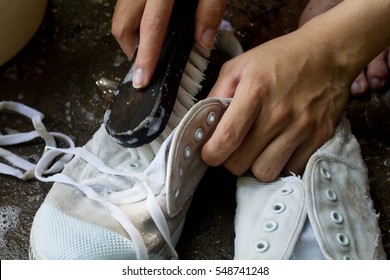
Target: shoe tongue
pixel 157 169
pixel 338 199
pixel 184 166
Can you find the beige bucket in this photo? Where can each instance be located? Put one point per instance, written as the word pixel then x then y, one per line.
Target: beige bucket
pixel 19 20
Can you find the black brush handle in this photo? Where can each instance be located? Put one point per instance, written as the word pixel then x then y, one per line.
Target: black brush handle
pixel 136 117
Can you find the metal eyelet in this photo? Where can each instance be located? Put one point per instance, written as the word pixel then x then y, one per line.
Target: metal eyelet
pixel 342 239
pixel 177 192
pixel 180 172
pixel 278 207
pixel 325 173
pixel 331 195
pixel 211 118
pixel 270 226
pixel 199 134
pixel 336 217
pixel 187 152
pixel 261 246
pixel 286 190
pixel 134 164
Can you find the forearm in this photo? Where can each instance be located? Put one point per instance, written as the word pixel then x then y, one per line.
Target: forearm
pixel 351 34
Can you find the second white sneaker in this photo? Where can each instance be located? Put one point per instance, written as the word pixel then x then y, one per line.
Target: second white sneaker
pixel 327 214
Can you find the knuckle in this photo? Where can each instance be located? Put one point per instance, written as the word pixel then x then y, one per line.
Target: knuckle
pixel 226 68
pixel 216 152
pixel 117 29
pixel 264 174
pixel 320 131
pixel 152 24
pixel 254 93
pixel 281 112
pixel 236 168
pixel 228 139
pixel 211 12
pixel 258 90
pixel 306 121
pixel 268 169
pixel 209 156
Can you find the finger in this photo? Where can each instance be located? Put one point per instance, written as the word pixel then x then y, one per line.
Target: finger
pixel 243 157
pixel 226 83
pixel 233 126
pixel 306 149
pixel 152 32
pixel 302 154
pixel 360 85
pixel 262 132
pixel 388 58
pixel 378 72
pixel 125 24
pixel 208 18
pixel 268 166
pixel 290 151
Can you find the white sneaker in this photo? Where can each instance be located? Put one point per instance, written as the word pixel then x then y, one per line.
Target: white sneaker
pixel 112 202
pixel 109 203
pixel 328 214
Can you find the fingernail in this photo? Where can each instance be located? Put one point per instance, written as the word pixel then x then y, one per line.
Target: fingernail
pixel 138 78
pixel 376 83
pixel 207 38
pixel 356 87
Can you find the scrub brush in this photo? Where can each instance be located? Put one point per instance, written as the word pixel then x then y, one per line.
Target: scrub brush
pixel 136 117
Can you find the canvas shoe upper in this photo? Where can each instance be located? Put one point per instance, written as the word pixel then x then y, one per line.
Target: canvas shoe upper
pixel 326 214
pixel 112 202
pixel 109 204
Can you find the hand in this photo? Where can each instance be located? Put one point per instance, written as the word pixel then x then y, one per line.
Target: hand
pixel 287 101
pixel 150 18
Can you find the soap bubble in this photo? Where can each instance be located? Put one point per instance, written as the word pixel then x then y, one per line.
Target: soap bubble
pixel 9 219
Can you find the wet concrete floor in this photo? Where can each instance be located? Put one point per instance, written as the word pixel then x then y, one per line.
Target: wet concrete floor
pixel 62 72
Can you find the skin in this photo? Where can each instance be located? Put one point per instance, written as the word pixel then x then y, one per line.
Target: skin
pixel 294 88
pixel 150 19
pixel 376 75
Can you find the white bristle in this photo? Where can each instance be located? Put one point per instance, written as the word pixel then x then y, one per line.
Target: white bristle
pixel 175 119
pixel 198 60
pixel 190 85
pixel 202 51
pixel 180 109
pixel 178 113
pixel 166 133
pixel 194 72
pixel 185 98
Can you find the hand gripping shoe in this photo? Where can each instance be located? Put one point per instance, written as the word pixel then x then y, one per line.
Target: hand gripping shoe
pixel 328 214
pixel 109 203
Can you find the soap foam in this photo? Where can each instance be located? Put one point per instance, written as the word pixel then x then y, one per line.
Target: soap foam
pixel 9 219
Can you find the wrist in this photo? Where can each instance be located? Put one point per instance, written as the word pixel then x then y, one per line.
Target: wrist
pixel 349 36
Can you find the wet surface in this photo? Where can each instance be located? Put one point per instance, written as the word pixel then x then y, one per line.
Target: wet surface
pixel 68 72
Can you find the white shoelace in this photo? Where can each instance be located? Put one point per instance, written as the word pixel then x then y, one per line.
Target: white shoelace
pixel 48 167
pixel 17 166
